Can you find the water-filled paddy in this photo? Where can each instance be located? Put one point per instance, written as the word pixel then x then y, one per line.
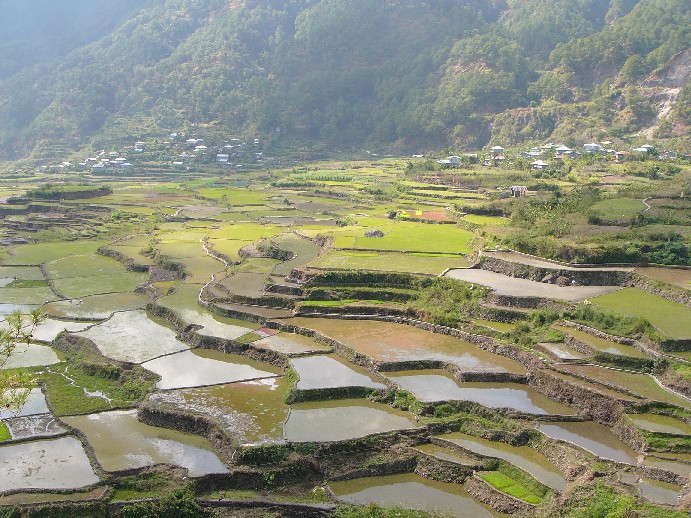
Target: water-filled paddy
pixel 432 386
pixel 446 454
pixel 47 330
pixel 35 426
pixel 680 468
pixel 35 403
pixel 594 437
pixel 200 368
pixel 413 492
pixel 290 343
pixel 387 342
pixel 121 442
pixel 132 337
pixel 316 372
pixel 341 420
pixel 661 423
pixel 511 286
pixel 245 284
pixel 96 307
pixel 659 492
pixel 7 309
pixel 31 355
pixel 640 384
pixel 523 457
pixel 562 351
pixel 41 465
pixel 389 261
pixel 250 412
pixel 600 344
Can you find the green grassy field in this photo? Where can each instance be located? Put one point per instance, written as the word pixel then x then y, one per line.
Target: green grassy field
pixel 618 208
pixel 509 486
pixel 672 318
pixel 44 252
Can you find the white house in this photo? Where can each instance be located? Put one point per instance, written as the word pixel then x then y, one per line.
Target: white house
pixel 593 148
pixel 539 165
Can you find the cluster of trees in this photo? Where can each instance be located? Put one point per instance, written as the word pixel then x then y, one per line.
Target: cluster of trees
pixel 346 73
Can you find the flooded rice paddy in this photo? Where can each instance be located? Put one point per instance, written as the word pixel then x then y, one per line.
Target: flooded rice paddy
pixel 600 344
pixel 679 468
pixel 291 344
pixel 49 329
pixel 433 386
pixel 326 421
pixel 514 287
pixel 446 454
pixel 95 307
pixel 642 385
pixel 251 412
pixel 201 368
pixel 412 492
pixel 593 437
pixel 31 355
pixel 523 457
pixel 132 337
pixel 43 465
pixel 316 372
pixel 388 342
pixel 35 403
pixel 661 424
pixel 33 427
pixel 562 351
pixel 121 442
pixel 659 492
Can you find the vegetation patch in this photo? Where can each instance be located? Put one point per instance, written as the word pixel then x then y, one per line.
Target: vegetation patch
pixel 509 486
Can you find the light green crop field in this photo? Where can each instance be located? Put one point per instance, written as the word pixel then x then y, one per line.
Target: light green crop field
pixel 30 273
pixel 618 208
pixel 246 231
pixel 43 252
pixel 27 295
pixel 510 487
pixel 487 220
pixel 672 318
pixel 392 262
pixel 420 238
pixel 84 265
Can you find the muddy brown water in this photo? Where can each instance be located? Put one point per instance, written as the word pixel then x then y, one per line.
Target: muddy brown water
pixel 594 437
pixel 389 342
pixel 250 412
pixel 42 465
pixel 432 386
pixel 205 367
pixel 325 421
pixel 121 442
pixel 661 423
pixel 523 457
pixel 320 371
pixel 290 343
pixel 413 492
pixel 35 426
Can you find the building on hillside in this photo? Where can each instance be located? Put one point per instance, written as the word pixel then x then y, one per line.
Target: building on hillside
pixel 539 165
pixel 497 150
pixel 519 190
pixel 593 148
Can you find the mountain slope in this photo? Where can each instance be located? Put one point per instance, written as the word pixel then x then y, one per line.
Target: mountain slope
pixel 400 74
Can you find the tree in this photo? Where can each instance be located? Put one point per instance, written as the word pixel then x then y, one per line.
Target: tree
pixel 19 328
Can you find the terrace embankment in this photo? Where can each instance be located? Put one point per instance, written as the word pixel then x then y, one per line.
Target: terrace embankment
pixel 554 273
pixel 497 500
pixel 188 334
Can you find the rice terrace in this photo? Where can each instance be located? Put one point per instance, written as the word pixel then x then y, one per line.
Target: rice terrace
pixel 313 338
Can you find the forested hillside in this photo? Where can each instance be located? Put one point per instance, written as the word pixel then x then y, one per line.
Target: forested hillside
pixel 399 75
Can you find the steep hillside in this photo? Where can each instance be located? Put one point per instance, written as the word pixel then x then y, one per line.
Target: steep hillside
pixel 342 74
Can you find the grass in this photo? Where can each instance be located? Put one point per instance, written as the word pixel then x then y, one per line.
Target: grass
pixel 122 390
pixel 509 486
pixel 4 432
pixel 669 317
pixel 486 220
pixel 618 208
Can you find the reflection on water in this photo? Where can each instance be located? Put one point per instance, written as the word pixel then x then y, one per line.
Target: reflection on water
pixel 35 403
pixel 388 342
pixel 440 386
pixel 661 423
pixel 290 343
pixel 593 437
pixel 42 465
pixel 412 492
pixel 120 442
pixel 251 412
pixel 132 337
pixel 317 372
pixel 193 369
pixel 341 420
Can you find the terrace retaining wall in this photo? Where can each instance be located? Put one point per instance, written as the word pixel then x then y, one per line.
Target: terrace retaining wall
pixel 497 500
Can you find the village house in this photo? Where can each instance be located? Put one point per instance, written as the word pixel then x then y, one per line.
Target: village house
pixel 519 190
pixel 539 165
